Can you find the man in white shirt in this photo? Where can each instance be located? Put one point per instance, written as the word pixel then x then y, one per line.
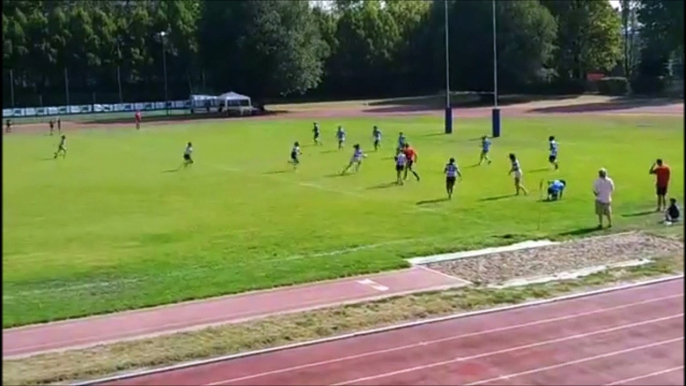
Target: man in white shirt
pixel 603 188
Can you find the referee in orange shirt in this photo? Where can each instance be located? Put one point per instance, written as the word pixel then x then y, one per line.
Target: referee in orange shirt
pixel 411 160
pixel 662 174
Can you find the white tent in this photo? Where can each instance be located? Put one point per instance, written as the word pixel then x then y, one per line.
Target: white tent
pixel 233 102
pixel 232 99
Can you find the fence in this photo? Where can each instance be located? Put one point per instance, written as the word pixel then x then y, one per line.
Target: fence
pixel 110 86
pixel 29 112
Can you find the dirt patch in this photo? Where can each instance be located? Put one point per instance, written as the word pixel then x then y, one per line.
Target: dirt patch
pixel 497 268
pixel 407 107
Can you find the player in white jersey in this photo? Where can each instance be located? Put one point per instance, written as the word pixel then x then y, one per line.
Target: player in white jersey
pixel 340 135
pixel 188 154
pixel 452 171
pixel 552 158
pixel 295 155
pixel 62 147
pixel 356 159
pixel 376 134
pixel 516 170
pixel 400 161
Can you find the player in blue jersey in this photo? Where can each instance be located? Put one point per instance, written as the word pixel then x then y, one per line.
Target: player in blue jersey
pixel 555 189
pixel 340 136
pixel 485 148
pixel 316 134
pixel 553 147
pixel 452 171
pixel 376 134
pixel 402 140
pixel 355 160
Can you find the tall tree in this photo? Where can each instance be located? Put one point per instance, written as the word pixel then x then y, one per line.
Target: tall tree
pixel 268 48
pixel 526 31
pixel 662 22
pixel 629 27
pixel 589 36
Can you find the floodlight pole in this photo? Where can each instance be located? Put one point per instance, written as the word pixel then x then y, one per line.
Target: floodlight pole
pixel 496 111
pixel 163 35
pixel 448 109
pixel 121 95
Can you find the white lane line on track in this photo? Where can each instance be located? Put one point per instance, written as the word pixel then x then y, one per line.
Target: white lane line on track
pixel 644 376
pixel 577 361
pixel 512 349
pixel 442 340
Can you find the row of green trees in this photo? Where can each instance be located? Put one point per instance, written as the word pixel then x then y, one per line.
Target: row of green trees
pixel 323 49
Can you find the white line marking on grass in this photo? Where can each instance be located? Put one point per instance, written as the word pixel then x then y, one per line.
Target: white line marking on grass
pixel 441 340
pixel 314 185
pixel 518 348
pixel 627 380
pixel 11 295
pixel 373 284
pixel 577 361
pixel 537 303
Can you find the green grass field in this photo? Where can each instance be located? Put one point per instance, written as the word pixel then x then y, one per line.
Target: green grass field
pixel 116 226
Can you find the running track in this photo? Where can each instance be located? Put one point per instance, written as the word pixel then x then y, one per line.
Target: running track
pixel 30 340
pixel 632 337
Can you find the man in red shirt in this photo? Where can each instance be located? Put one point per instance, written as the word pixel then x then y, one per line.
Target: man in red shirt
pixel 662 174
pixel 138 120
pixel 411 156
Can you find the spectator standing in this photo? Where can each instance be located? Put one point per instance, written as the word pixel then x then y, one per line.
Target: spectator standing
pixel 603 187
pixel 662 174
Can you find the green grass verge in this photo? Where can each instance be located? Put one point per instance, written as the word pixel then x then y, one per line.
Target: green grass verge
pixel 116 226
pixel 288 329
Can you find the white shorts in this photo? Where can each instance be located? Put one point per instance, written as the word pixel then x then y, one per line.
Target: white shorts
pixel 518 174
pixel 355 160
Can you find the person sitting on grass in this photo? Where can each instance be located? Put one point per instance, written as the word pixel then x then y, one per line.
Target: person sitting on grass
pixel 555 189
pixel 672 213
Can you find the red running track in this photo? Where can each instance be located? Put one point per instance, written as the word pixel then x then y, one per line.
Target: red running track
pixel 633 336
pixel 91 331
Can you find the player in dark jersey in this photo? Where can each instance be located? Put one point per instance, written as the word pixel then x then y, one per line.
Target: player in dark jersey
pixel 316 133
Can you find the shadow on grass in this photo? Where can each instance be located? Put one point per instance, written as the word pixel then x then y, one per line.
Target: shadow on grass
pixel 580 231
pixel 172 170
pixel 434 201
pixel 615 104
pixel 336 175
pixel 436 102
pixel 282 171
pixel 541 170
pixel 329 151
pixel 639 214
pixel 385 185
pixel 433 134
pixel 496 198
pixel 172 117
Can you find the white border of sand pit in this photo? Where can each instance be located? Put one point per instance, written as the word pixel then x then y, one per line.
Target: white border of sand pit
pixel 569 275
pixel 479 252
